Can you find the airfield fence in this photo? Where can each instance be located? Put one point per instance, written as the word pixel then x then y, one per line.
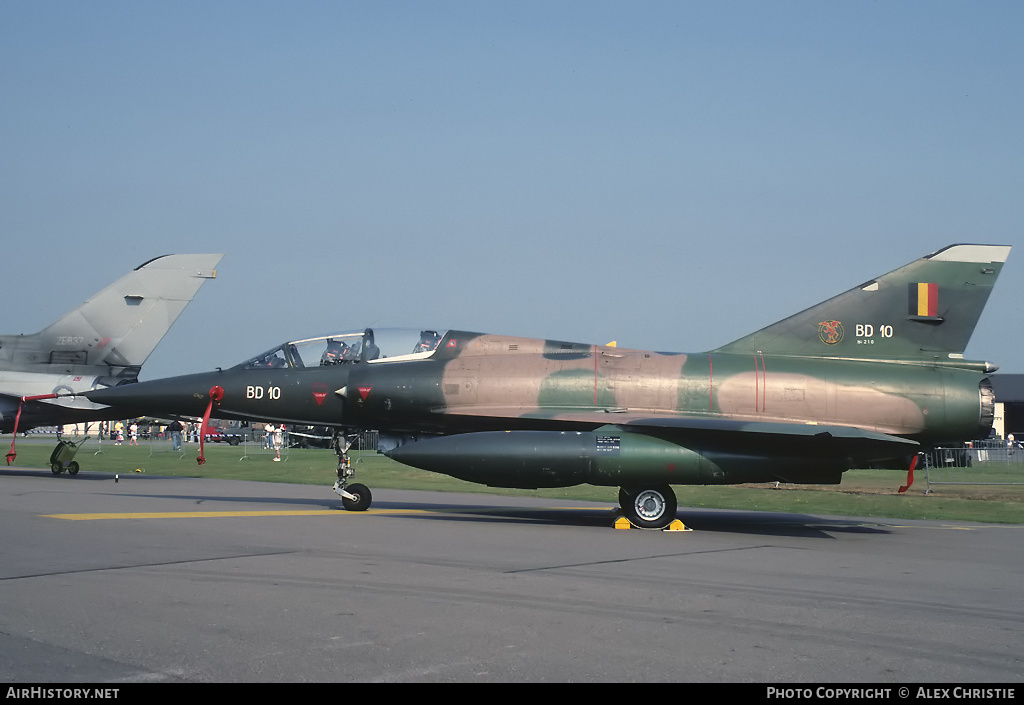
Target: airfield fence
pixel 252 442
pixel 367 440
pixel 989 462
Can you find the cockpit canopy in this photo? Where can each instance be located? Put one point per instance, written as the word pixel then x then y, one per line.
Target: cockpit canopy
pixel 370 345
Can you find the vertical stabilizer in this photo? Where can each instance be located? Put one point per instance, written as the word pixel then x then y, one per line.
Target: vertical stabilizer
pixel 925 310
pixel 118 327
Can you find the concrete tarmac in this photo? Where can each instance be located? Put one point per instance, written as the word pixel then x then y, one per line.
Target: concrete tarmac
pixel 172 579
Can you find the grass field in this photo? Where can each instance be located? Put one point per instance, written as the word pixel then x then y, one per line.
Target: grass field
pixel 863 493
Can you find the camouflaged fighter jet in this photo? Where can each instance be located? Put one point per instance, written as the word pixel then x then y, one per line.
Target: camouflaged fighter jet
pixel 102 343
pixel 869 377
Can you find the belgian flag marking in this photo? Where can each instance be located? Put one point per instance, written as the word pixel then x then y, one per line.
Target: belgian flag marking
pixel 924 300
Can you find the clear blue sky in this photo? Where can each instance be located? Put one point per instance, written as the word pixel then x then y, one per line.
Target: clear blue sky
pixel 671 175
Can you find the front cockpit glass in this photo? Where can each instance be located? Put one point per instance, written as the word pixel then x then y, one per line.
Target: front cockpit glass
pixel 271 359
pixel 369 345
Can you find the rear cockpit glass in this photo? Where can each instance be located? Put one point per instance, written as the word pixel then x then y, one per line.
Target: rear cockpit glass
pixel 369 345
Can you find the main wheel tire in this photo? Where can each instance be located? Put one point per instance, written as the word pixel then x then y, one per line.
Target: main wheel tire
pixel 73 467
pixel 648 507
pixel 362 498
pixel 56 468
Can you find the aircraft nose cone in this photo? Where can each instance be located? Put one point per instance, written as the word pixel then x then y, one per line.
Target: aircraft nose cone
pixel 186 395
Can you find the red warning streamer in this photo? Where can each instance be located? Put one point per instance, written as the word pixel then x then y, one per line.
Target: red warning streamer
pixel 11 454
pixel 910 475
pixel 216 394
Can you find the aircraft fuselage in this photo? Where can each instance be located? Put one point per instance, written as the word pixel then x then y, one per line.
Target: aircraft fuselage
pixel 480 382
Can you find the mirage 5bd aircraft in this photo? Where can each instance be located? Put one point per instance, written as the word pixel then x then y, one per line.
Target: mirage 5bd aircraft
pixel 867 378
pixel 100 344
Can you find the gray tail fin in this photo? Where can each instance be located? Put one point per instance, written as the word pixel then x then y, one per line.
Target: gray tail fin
pixel 120 326
pixel 925 310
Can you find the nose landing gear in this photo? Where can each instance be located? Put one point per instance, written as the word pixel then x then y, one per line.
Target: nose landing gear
pixel 354 497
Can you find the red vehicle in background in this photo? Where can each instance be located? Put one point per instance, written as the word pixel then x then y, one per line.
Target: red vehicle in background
pixel 219 435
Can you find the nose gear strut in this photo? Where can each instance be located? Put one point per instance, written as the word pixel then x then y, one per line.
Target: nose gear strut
pixel 354 497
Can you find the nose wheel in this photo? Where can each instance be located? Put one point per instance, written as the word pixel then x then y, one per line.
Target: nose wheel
pixel 357 497
pixel 354 497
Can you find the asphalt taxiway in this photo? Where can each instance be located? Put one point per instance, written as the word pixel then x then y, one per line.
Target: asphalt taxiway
pixel 172 579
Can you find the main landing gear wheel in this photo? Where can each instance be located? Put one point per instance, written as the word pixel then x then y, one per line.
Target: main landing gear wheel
pixel 362 498
pixel 648 507
pixel 56 468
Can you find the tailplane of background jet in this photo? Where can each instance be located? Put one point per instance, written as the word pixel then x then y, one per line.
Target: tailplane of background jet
pixel 115 330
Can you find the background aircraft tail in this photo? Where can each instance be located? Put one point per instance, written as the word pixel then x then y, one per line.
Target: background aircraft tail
pixel 117 328
pixel 925 310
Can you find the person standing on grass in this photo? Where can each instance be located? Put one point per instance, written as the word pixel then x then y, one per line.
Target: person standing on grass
pixel 278 442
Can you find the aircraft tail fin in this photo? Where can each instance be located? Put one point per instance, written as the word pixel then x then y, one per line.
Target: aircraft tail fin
pixel 120 326
pixel 925 310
